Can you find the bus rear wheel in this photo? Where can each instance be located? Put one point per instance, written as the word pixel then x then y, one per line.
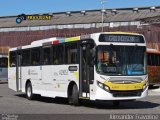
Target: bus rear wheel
pixel 73 97
pixel 29 92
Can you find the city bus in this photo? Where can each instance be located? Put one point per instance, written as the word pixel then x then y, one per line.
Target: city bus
pixel 153 60
pixel 100 66
pixel 3 67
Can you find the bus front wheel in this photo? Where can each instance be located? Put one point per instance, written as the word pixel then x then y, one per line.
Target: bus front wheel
pixel 29 92
pixel 73 97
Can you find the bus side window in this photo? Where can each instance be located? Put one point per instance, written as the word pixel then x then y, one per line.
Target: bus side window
pixel 35 56
pixel 26 57
pixel 46 56
pixel 55 57
pixel 148 59
pixel 3 62
pixel 154 58
pixel 151 59
pixel 71 54
pixel 158 60
pixel 12 59
pixel 58 56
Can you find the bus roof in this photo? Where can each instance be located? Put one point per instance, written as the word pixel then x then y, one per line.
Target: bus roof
pixel 76 38
pixel 55 40
pixel 126 33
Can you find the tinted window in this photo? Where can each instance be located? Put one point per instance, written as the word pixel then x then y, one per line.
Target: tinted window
pixel 12 59
pixel 71 54
pixel 46 56
pixel 26 58
pixel 58 56
pixel 158 60
pixel 153 59
pixel 149 59
pixel 3 62
pixel 35 56
pixel 120 60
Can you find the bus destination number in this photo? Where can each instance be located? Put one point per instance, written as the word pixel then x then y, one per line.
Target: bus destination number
pixel 111 69
pixel 63 72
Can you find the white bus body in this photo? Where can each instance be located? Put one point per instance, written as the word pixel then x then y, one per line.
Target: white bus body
pixel 79 67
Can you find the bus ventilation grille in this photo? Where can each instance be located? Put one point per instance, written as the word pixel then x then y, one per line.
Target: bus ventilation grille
pixel 126 93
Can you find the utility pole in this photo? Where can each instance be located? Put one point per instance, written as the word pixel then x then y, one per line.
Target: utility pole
pixel 103 11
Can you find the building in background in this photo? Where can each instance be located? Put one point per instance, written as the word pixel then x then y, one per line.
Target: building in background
pixel 145 20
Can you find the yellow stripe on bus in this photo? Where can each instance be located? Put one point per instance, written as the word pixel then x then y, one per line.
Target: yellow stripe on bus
pixel 15 76
pixel 123 86
pixel 76 74
pixel 126 33
pixel 72 39
pixel 8 59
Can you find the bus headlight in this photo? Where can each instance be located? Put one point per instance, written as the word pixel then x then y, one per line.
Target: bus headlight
pixel 145 86
pixel 106 88
pixel 103 86
pixel 100 84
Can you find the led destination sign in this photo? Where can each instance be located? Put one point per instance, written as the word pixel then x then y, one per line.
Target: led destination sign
pixel 121 38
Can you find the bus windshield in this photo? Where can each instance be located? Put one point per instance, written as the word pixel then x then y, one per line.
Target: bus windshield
pixel 121 60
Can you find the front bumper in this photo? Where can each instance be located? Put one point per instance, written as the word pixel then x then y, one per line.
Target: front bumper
pixel 101 94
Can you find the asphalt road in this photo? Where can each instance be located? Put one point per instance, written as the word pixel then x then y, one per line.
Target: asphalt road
pixel 15 103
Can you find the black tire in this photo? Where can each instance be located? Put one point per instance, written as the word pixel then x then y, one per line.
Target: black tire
pixel 73 97
pixel 116 103
pixel 29 92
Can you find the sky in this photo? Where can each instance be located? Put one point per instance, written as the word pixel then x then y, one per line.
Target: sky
pixel 16 7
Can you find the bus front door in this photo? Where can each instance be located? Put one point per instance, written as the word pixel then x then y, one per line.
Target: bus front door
pixel 84 71
pixel 18 72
